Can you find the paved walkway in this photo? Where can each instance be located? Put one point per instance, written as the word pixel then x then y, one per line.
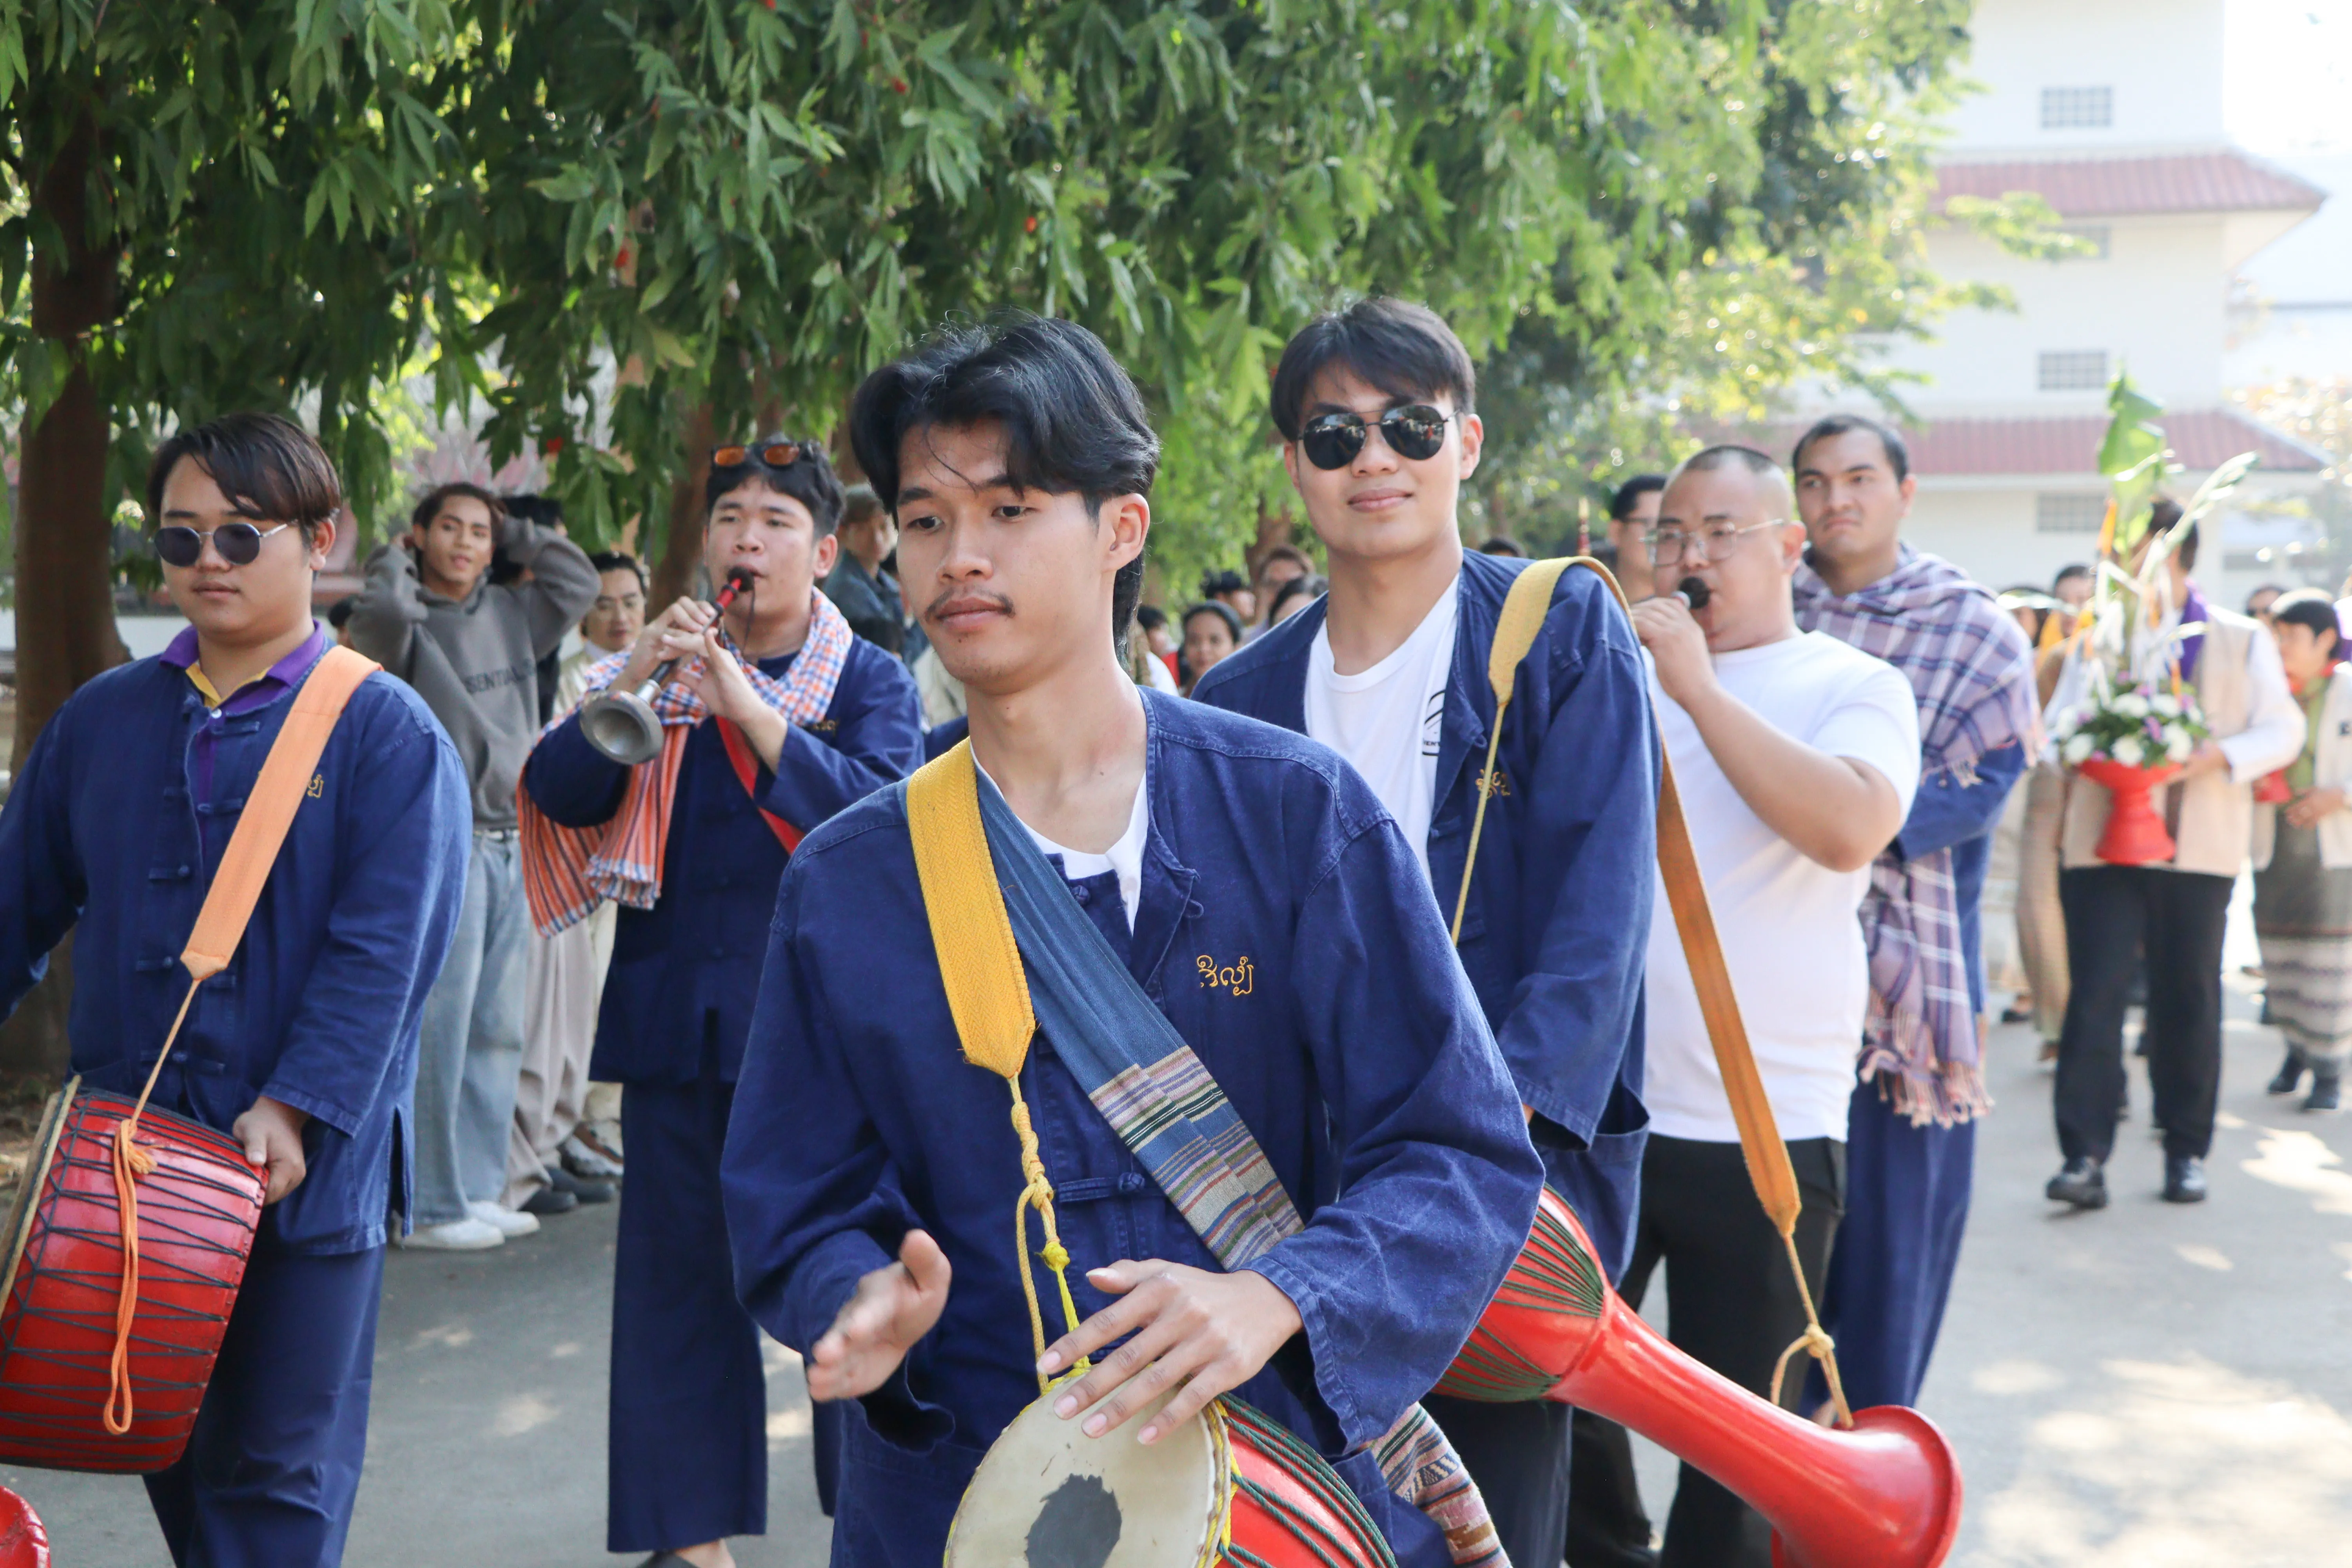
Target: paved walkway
pixel 2138 1388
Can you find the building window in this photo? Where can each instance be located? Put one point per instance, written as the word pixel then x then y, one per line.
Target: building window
pixel 2092 242
pixel 2078 108
pixel 2073 370
pixel 2085 513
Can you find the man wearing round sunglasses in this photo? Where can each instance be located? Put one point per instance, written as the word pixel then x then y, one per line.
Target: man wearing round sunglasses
pixel 778 717
pixel 1375 406
pixel 305 1049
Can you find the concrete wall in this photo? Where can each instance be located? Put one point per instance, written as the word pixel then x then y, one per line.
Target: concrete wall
pixel 2162 58
pixel 2157 304
pixel 1986 528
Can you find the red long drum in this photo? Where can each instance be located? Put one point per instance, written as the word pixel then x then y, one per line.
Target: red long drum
pixel 199 1210
pixel 1229 1489
pixel 1885 1494
pixel 23 1543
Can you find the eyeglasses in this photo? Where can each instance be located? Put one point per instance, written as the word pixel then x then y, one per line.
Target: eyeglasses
pixel 1415 432
pixel 1671 545
pixel 779 455
pixel 239 544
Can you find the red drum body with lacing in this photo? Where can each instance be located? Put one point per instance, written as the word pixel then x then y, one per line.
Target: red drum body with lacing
pixel 1231 1488
pixel 197 1212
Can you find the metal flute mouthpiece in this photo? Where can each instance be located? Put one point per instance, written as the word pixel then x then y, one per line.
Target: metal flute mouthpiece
pixel 622 724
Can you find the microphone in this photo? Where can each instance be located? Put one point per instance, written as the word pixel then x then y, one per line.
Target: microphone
pixel 1694 592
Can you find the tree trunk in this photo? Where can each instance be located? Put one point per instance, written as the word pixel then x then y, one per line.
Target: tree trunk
pixel 65 566
pixel 681 557
pixel 64 604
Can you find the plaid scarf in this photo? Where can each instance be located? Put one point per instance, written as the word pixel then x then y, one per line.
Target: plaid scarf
pixel 568 871
pixel 1972 671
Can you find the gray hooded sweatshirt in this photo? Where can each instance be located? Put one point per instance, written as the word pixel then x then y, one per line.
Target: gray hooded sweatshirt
pixel 475 662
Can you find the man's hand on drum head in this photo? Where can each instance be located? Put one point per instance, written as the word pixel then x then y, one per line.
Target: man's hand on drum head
pixel 271 1132
pixel 891 1308
pixel 1206 1333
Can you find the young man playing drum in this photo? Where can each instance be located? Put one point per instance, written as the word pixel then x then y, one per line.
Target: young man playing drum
pixel 1248 898
pixel 1391 670
pixel 305 1049
pixel 806 719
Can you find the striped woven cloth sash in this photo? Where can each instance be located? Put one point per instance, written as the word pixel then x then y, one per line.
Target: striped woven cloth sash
pixel 568 871
pixel 1166 1108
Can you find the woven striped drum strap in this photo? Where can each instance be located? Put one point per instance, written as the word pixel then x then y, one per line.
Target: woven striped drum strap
pixel 262 826
pixel 1769 1171
pixel 988 995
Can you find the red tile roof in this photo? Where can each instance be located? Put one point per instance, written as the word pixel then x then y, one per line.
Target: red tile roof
pixel 2201 439
pixel 2218 182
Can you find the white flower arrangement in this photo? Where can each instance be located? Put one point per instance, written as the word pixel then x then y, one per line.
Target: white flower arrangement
pixel 2139 726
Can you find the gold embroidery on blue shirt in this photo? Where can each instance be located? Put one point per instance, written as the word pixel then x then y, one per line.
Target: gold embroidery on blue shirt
pixel 1237 977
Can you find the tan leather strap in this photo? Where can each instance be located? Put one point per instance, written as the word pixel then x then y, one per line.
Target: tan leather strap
pixel 261 825
pixel 1769 1171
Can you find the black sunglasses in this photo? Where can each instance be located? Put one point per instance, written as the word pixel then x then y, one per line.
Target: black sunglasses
pixel 779 455
pixel 1415 432
pixel 239 544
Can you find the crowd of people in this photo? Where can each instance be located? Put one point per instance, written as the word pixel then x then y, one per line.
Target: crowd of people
pixel 1416 939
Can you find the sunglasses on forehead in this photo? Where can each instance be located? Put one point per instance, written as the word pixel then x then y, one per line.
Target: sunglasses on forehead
pixel 239 544
pixel 776 454
pixel 1415 432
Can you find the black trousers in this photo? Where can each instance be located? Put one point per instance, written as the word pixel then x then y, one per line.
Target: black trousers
pixel 1731 1305
pixel 1519 1455
pixel 2180 916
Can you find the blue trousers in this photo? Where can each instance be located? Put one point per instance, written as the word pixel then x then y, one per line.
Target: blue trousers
pixel 470 1043
pixel 273 1467
pixel 1906 1206
pixel 688 1445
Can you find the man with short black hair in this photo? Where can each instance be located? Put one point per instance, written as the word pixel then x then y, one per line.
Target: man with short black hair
pixel 1912 1150
pixel 431 615
pixel 1795 757
pixel 1376 408
pixel 778 717
pixel 304 1050
pixel 1223 892
pixel 867 595
pixel 1632 514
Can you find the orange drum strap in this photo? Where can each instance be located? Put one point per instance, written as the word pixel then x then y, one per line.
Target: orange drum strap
pixel 1523 609
pixel 220 926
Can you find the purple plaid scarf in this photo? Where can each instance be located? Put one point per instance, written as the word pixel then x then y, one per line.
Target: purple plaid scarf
pixel 1972 671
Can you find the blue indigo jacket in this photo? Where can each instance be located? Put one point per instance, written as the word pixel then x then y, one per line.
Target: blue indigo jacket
pixel 1556 931
pixel 106 834
pixel 1284 929
pixel 687 971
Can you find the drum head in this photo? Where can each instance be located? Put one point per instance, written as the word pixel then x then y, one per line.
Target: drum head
pixel 26 1204
pixel 1048 1495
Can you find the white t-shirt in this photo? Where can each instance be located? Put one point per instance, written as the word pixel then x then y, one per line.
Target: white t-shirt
pixel 1126 857
pixel 1386 720
pixel 1787 923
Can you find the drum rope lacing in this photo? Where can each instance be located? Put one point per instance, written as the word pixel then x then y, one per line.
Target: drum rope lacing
pixel 1775 1180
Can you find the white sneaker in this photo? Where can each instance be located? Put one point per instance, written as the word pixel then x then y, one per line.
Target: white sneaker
pixel 507 1222
pixel 457 1235
pixel 588 1154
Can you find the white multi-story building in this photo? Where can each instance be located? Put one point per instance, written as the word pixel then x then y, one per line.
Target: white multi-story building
pixel 2111 111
